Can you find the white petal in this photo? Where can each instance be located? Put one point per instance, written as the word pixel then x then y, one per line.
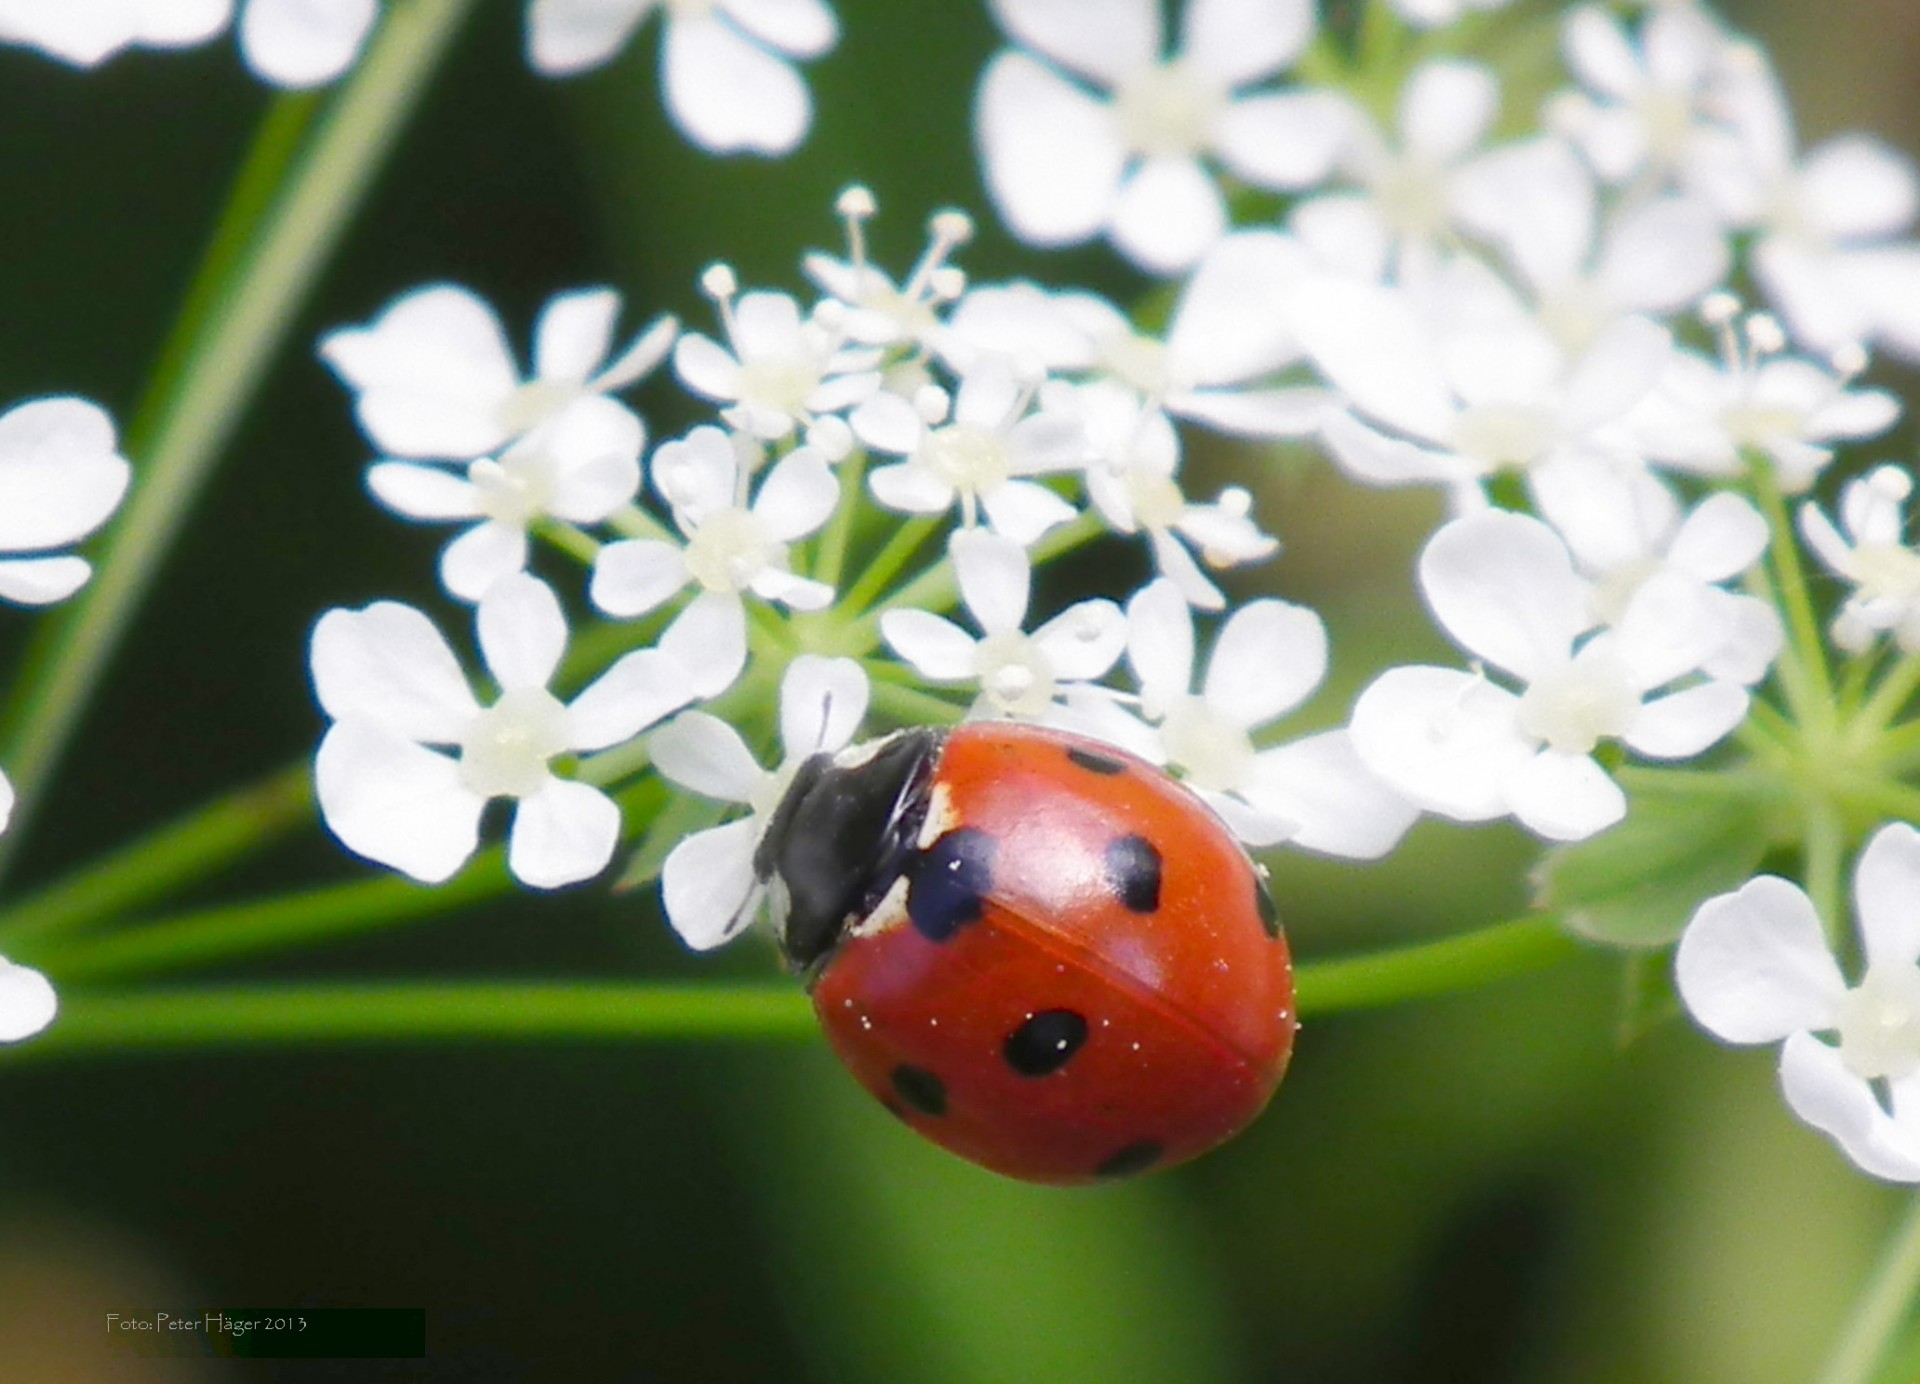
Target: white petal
pixel 1446 107
pixel 888 423
pixel 6 802
pixel 27 1002
pixel 1269 658
pixel 522 631
pixel 1083 641
pixel 1053 161
pixel 1444 740
pixel 1753 965
pixel 1886 888
pixel 636 575
pixel 60 476
pixel 709 641
pixel 642 355
pixel 1854 187
pixel 911 488
pixel 1564 797
pixel 1252 826
pixel 797 495
pixel 798 28
pixel 388 664
pixel 1373 458
pixel 591 492
pixel 1024 510
pixel 1284 140
pixel 1231 322
pixel 1662 255
pixel 42 580
pixel 1722 537
pixel 1239 41
pixel 1372 346
pixel 574 334
pixel 473 562
pixel 1682 724
pixel 705 755
pixel 706 367
pixel 726 93
pixel 822 703
pixel 562 834
pixel 1160 645
pixel 1821 1091
pixel 994 576
pixel 396 802
pixel 1504 587
pixel 707 884
pixel 1340 806
pixel 640 688
pixel 1167 214
pixel 938 649
pixel 1107 40
pixel 568 36
pixel 303 43
pixel 423 492
pixel 793 592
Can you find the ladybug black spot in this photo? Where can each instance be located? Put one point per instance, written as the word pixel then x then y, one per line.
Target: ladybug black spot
pixel 1136 1157
pixel 1096 763
pixel 1044 1042
pixel 920 1089
pixel 1133 873
pixel 1263 901
pixel 947 883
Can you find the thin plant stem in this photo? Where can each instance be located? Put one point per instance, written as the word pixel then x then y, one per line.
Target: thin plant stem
pixel 1878 1313
pixel 293 200
pixel 1805 676
pixel 1465 962
pixel 893 555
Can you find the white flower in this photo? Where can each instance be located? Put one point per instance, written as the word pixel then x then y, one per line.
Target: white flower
pixel 412 756
pixel 304 43
pixel 436 378
pixel 1131 480
pixel 731 549
pixel 1885 572
pixel 708 882
pixel 1129 156
pixel 1754 967
pixel 1269 657
pixel 27 1002
pixel 1020 675
pixel 1503 586
pixel 88 32
pixel 880 312
pixel 60 478
pixel 580 467
pixel 978 456
pixel 779 371
pixel 724 63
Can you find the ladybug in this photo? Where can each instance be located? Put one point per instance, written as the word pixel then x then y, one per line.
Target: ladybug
pixel 1037 950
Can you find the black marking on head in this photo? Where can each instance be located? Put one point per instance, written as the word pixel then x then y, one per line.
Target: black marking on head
pixel 1042 1045
pixel 841 836
pixel 1096 763
pixel 1136 1157
pixel 1133 872
pixel 948 882
pixel 920 1089
pixel 1263 902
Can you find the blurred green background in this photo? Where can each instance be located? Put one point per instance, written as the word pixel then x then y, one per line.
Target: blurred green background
pixel 1486 1188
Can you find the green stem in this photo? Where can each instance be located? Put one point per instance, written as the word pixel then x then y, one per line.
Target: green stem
pixel 1433 968
pixel 831 555
pixel 905 542
pixel 1877 1315
pixel 154 866
pixel 287 211
pixel 1805 676
pixel 1895 690
pixel 280 1015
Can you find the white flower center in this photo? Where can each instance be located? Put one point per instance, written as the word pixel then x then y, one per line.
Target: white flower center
pixel 1885 572
pixel 1666 120
pixel 1880 1023
pixel 780 384
pixel 1138 361
pixel 1758 425
pixel 1157 501
pixel 1575 313
pixel 1214 753
pixel 729 549
pixel 506 749
pixel 534 402
pixel 1503 434
pixel 1014 674
pixel 971 460
pixel 1411 195
pixel 1168 110
pixel 1615 590
pixel 516 489
pixel 1574 707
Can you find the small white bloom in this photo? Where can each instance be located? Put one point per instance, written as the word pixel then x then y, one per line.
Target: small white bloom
pixel 731 548
pixel 412 756
pixel 304 43
pixel 60 478
pixel 88 32
pixel 1885 572
pixel 708 882
pixel 1503 586
pixel 1106 131
pixel 436 379
pixel 1020 675
pixel 725 64
pixel 27 1001
pixel 880 312
pixel 779 371
pixel 580 467
pixel 978 456
pixel 1754 967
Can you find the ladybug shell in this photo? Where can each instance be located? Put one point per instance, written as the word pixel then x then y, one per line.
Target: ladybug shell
pixel 1077 974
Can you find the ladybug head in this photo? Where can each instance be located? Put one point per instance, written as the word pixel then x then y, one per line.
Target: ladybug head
pixel 841 836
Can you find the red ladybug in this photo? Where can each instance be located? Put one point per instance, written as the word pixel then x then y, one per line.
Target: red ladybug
pixel 1039 951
